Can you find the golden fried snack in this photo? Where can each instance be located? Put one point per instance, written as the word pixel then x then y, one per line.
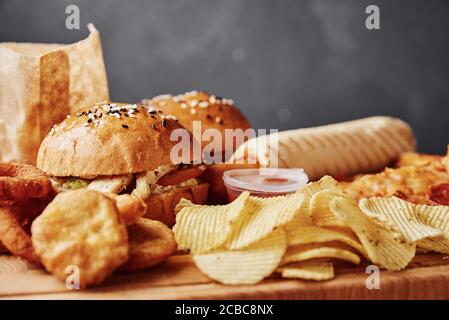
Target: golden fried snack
pixel 417 159
pixel 30 210
pixel 22 182
pixel 3 249
pixel 81 229
pixel 129 207
pixel 14 237
pixel 411 183
pixel 151 242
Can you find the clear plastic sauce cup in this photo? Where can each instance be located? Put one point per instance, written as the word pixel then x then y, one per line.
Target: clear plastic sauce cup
pixel 263 183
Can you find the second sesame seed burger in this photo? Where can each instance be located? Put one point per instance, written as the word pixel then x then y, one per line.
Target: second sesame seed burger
pixel 213 112
pixel 119 148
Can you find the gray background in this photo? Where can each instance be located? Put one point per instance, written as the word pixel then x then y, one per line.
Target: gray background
pixel 286 63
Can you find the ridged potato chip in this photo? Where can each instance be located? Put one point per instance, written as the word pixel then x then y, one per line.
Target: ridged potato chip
pixel 325 183
pixel 308 270
pixel 438 244
pixel 422 224
pixel 310 251
pixel 401 214
pixel 246 266
pixel 321 214
pixel 301 220
pixel 437 217
pixel 384 244
pixel 301 235
pixel 205 228
pixel 262 216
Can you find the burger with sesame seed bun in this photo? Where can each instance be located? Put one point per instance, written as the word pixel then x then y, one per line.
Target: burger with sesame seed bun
pixel 123 148
pixel 211 112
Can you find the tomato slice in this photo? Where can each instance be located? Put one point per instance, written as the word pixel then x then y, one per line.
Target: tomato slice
pixel 179 176
pixel 439 194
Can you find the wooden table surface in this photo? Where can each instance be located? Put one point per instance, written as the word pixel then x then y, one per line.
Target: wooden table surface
pixel 427 277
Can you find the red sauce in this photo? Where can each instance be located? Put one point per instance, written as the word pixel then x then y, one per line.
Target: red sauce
pixel 280 182
pixel 275 181
pixel 439 194
pixel 234 194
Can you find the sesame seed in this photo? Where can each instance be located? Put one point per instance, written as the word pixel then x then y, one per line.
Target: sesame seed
pixel 193 103
pixel 227 101
pixel 162 97
pixel 192 93
pixel 169 117
pixel 164 123
pixel 184 105
pixel 203 104
pixel 193 111
pixel 218 120
pixel 154 126
pixel 125 126
pixel 212 99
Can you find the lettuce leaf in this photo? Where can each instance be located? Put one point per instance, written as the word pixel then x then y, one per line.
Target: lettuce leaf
pixel 75 183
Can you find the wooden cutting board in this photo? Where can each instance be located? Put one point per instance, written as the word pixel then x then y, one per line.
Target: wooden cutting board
pixel 427 277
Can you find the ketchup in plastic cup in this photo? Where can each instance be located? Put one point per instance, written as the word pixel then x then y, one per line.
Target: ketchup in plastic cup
pixel 263 183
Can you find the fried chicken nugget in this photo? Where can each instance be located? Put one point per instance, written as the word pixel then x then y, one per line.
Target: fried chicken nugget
pixel 14 237
pixel 22 182
pixel 130 207
pixel 81 229
pixel 151 242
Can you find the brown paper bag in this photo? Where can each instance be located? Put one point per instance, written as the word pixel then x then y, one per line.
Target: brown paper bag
pixel 40 84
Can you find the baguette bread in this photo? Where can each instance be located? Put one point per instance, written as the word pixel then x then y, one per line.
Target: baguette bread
pixel 340 150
